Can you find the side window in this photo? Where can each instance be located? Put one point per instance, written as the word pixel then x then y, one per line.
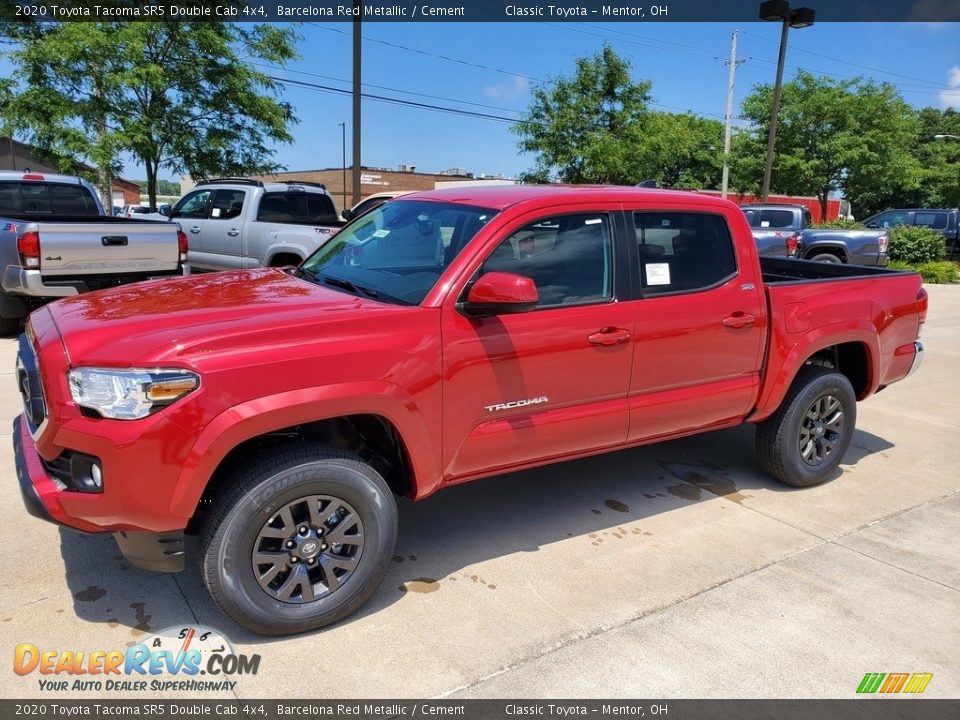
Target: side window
pixel 227 204
pixel 683 251
pixel 890 219
pixel 936 221
pixel 194 205
pixel 297 207
pixel 569 258
pixel 9 199
pixel 807 219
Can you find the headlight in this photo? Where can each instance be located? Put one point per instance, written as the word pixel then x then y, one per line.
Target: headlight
pixel 129 394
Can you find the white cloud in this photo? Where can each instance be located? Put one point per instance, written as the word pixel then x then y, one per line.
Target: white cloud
pixel 950 98
pixel 512 90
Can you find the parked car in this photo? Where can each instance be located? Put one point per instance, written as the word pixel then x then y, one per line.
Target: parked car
pixel 776 227
pixel 783 230
pixel 370 202
pixel 442 337
pixel 55 241
pixel 238 223
pixel 943 220
pixel 142 212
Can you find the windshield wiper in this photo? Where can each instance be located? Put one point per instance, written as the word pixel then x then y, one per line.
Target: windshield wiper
pixel 349 286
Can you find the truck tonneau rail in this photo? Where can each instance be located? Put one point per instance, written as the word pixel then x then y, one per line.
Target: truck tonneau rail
pixel 788 270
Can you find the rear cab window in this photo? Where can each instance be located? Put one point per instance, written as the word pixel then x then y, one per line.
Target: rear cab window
pixel 683 251
pixel 41 199
pixel 773 219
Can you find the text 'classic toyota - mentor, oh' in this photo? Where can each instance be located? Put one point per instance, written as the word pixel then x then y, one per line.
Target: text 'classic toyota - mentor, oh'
pixel 442 337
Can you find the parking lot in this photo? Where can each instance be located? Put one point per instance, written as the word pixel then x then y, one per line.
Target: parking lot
pixel 675 570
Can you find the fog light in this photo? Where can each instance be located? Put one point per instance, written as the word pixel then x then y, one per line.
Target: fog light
pixel 86 473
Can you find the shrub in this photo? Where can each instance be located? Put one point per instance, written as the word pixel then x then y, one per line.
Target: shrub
pixel 839 224
pixel 916 245
pixel 939 273
pixel 943 272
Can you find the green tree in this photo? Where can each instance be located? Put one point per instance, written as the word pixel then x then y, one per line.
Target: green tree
pixel 587 129
pixel 852 136
pixel 176 95
pixel 681 151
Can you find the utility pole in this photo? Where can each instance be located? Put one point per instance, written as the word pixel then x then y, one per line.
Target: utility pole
pixel 343 147
pixel 733 63
pixel 357 40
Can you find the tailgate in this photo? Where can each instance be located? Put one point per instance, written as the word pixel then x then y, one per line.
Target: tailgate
pixel 82 249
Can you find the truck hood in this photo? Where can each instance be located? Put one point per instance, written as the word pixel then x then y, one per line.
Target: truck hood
pixel 198 318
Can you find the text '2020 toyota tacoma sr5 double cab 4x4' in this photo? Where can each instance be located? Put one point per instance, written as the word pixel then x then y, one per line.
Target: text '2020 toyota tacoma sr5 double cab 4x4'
pixel 443 337
pixel 56 242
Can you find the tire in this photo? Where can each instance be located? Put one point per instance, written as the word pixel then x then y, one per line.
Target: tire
pixel 265 509
pixel 826 258
pixel 802 443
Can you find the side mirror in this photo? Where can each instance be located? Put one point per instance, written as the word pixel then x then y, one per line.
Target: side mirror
pixel 499 293
pixel 164 210
pixel 347 214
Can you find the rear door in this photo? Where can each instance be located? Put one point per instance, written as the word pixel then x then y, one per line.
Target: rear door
pixel 520 388
pixel 700 324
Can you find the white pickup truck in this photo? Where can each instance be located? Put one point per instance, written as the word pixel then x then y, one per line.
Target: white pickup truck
pixel 239 223
pixel 55 241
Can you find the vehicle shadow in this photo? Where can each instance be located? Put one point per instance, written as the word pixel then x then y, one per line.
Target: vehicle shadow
pixel 468 524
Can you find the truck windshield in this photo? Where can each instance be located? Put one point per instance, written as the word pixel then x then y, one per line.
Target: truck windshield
pixel 397 251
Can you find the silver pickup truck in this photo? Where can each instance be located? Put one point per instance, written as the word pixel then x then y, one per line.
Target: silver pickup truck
pixel 55 241
pixel 239 223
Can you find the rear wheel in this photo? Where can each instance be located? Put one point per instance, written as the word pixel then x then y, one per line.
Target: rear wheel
pixel 299 540
pixel 826 258
pixel 802 443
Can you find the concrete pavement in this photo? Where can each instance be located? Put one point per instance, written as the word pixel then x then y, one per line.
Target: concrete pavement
pixel 676 570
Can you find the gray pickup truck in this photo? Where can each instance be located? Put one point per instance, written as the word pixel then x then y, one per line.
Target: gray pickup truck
pixel 55 241
pixel 238 223
pixel 784 230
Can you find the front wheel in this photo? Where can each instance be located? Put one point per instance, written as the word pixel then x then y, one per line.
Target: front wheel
pixel 805 439
pixel 299 540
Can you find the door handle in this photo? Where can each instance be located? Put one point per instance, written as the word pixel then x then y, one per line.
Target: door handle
pixel 739 320
pixel 233 232
pixel 195 229
pixel 609 336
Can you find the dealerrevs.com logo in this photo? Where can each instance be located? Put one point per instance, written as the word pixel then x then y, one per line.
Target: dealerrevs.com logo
pixel 193 658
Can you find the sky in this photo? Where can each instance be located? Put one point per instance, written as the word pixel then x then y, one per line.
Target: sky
pixel 490 68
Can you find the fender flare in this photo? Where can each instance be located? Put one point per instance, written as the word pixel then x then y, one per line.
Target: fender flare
pixel 816 246
pixel 780 378
pixel 274 412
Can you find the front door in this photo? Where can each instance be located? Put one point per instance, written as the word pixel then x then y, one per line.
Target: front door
pixel 548 383
pixel 221 231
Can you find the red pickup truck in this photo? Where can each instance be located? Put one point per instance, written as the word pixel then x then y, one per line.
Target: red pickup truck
pixel 440 338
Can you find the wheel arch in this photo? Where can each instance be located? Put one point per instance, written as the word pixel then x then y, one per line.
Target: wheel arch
pixel 855 354
pixel 829 248
pixel 391 434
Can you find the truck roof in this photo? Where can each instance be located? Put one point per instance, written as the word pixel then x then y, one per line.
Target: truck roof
pixel 31 176
pixel 498 197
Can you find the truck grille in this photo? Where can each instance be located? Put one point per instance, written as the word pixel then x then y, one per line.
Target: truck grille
pixel 28 382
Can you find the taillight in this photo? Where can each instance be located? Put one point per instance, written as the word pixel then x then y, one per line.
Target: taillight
pixel 28 245
pixel 882 243
pixel 183 245
pixel 922 302
pixel 792 245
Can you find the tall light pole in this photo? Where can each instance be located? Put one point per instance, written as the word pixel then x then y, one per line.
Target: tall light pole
pixel 357 43
pixel 779 10
pixel 343 146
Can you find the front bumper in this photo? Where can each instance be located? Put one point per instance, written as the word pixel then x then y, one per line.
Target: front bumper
pixel 41 493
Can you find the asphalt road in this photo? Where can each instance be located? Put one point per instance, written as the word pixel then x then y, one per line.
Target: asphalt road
pixel 677 570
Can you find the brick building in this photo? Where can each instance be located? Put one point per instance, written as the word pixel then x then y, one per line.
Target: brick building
pixel 18 156
pixel 372 180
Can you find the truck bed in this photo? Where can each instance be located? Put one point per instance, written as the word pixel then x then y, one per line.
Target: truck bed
pixel 781 270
